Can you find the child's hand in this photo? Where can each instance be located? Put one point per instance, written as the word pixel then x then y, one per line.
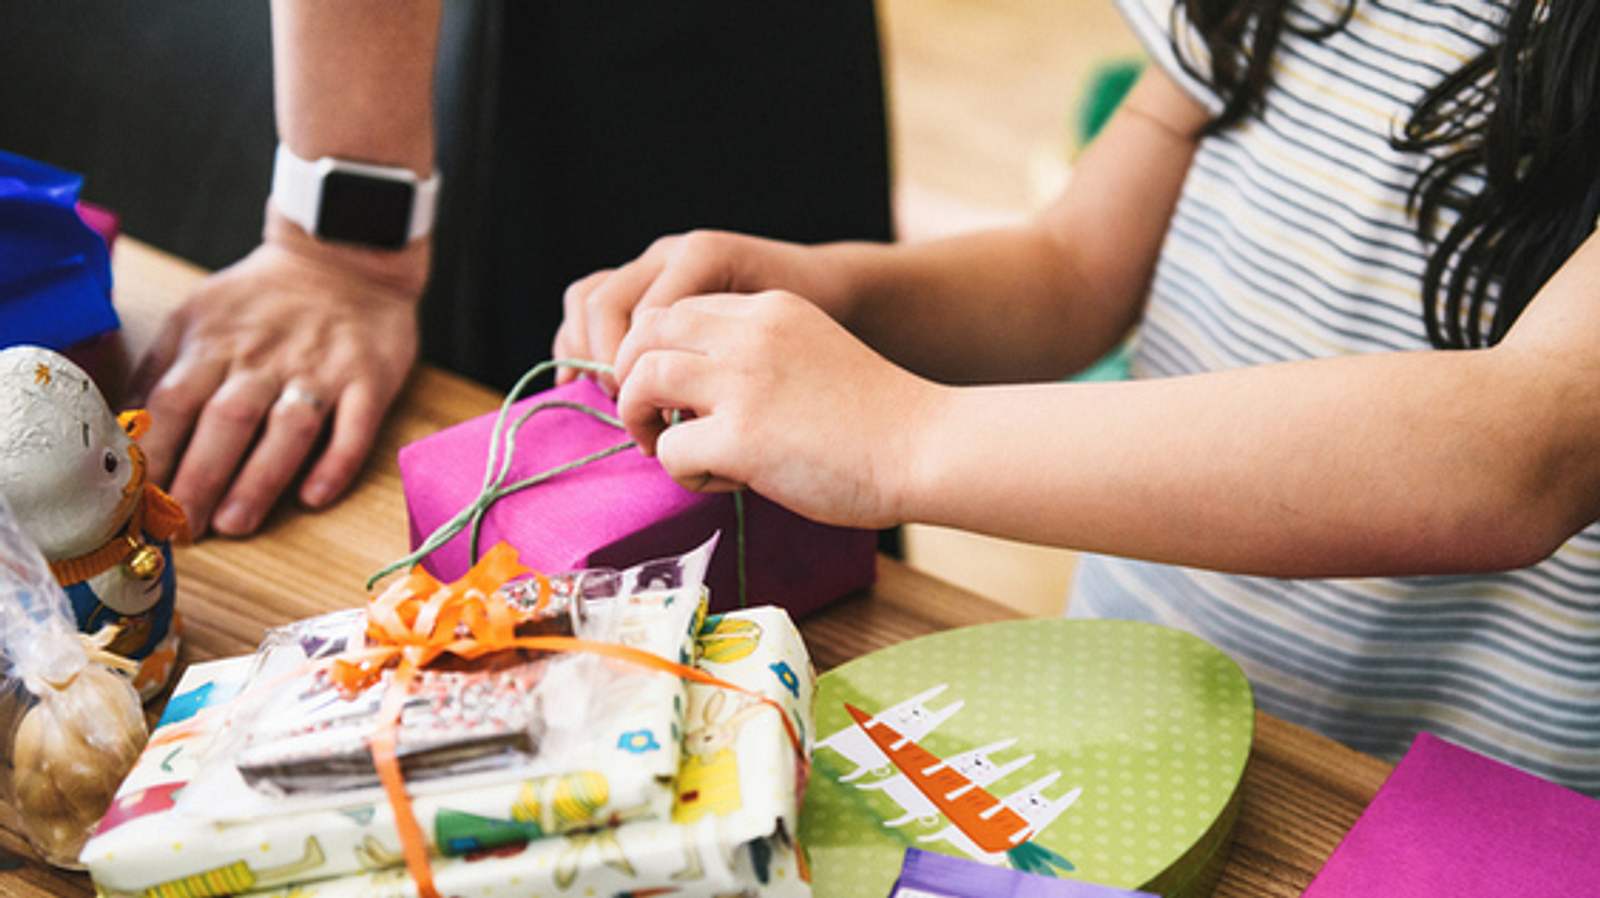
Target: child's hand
pixel 600 308
pixel 777 396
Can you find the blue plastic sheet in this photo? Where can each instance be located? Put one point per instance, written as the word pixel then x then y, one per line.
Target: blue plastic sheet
pixel 55 272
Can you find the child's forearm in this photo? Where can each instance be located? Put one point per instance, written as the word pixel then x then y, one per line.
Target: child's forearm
pixel 1041 300
pixel 1370 465
pixel 993 306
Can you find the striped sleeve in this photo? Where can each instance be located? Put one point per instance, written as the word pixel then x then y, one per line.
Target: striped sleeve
pixel 1293 239
pixel 1152 22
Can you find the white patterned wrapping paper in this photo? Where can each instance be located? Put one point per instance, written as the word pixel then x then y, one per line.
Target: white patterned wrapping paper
pixel 735 813
pixel 152 843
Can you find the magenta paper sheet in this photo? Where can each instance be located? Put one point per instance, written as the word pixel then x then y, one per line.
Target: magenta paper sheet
pixel 1450 823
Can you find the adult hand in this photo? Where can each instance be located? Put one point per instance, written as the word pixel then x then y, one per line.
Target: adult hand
pixel 778 397
pixel 247 372
pixel 600 308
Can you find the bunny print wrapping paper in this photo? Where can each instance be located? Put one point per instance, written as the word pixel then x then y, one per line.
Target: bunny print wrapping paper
pixel 734 807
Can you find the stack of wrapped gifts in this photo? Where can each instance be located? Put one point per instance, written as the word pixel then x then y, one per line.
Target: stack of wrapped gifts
pixel 525 771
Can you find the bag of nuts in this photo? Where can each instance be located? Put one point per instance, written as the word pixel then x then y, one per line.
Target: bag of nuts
pixel 70 728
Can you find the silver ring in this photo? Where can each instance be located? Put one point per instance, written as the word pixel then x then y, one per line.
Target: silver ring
pixel 294 394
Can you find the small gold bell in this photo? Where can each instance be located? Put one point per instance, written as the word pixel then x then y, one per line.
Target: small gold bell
pixel 146 563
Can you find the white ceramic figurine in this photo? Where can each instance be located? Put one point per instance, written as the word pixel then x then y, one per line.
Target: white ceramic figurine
pixel 75 478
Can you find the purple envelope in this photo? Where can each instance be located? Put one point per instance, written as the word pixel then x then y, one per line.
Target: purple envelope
pixel 620 511
pixel 925 874
pixel 1449 823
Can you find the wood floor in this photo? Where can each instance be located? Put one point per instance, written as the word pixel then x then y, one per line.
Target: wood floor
pixel 982 95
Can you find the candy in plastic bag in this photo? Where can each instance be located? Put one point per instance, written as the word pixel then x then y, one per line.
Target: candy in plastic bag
pixel 70 727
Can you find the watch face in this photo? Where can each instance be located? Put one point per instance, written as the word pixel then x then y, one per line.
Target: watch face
pixel 362 209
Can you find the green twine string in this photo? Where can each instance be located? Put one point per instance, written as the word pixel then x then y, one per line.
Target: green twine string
pixel 502 442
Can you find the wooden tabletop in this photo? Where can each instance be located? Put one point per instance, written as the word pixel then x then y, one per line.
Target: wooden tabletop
pixel 1302 791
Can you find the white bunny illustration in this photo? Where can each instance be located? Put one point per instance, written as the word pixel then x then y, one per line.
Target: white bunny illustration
pixel 1030 804
pixel 912 719
pixel 976 765
pixel 708 779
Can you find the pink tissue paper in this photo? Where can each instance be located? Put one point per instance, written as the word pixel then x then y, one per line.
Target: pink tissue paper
pixel 102 221
pixel 620 511
pixel 1449 823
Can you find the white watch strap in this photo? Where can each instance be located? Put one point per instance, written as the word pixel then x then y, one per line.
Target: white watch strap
pixel 424 207
pixel 297 189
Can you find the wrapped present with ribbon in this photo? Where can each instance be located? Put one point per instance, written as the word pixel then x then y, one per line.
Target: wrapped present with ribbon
pixel 736 807
pixel 570 490
pixel 734 804
pixel 531 708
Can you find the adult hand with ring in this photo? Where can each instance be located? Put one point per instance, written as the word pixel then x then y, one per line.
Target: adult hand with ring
pixel 266 356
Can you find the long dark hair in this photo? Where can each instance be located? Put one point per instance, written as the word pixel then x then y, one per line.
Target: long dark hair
pixel 1523 114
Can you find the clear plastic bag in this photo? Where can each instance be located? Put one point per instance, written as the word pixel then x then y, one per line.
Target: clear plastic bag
pixel 70 727
pixel 310 739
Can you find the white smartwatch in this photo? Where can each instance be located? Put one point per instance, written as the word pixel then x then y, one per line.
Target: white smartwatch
pixel 338 200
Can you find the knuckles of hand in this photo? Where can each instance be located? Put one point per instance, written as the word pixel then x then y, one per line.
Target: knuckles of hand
pixel 664 371
pixel 237 410
pixel 699 246
pixel 606 302
pixel 578 292
pixel 175 398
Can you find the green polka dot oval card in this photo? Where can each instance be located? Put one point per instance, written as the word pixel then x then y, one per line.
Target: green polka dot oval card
pixel 1104 751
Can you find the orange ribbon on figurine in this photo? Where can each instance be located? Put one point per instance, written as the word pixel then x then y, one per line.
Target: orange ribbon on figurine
pixel 418 619
pixel 152 512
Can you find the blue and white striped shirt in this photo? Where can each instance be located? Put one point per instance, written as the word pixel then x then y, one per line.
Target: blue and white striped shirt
pixel 1292 241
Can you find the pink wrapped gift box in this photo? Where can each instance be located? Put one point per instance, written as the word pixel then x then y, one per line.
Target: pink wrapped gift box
pixel 620 511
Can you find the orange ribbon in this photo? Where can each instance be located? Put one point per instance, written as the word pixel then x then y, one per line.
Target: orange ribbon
pixel 152 514
pixel 417 619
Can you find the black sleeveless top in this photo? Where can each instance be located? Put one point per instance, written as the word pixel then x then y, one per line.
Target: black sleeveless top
pixel 571 133
pixel 595 127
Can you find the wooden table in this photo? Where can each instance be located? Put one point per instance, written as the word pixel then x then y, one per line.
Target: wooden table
pixel 1302 792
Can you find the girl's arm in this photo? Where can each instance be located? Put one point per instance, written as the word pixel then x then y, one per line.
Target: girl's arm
pixel 1045 299
pixel 1385 464
pixel 1030 302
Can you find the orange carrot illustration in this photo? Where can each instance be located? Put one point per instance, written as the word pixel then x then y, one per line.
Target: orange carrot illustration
pixel 969 807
